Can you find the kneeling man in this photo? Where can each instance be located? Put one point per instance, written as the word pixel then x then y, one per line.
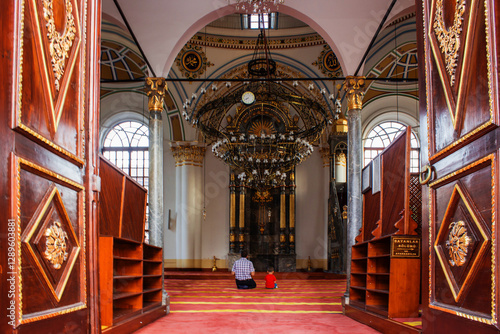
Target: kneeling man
pixel 243 271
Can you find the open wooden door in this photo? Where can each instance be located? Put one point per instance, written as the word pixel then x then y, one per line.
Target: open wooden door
pixel 48 182
pixel 460 146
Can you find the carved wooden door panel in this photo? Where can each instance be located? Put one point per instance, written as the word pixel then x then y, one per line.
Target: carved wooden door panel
pixel 459 132
pixel 47 148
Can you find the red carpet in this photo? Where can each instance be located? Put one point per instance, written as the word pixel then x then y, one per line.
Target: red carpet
pixel 216 306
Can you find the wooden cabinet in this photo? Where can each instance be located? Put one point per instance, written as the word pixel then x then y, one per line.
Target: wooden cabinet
pixel 130 280
pixel 385 276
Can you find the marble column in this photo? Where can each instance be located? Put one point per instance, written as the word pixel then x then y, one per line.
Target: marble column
pixel 189 157
pixel 155 89
pixel 354 87
pixel 324 151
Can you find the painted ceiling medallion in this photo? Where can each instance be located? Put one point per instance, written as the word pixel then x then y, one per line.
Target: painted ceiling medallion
pixel 192 61
pixel 449 39
pixel 458 243
pixel 56 247
pixel 328 63
pixel 60 44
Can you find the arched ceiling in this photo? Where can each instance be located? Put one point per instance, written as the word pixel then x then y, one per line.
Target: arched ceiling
pixel 162 27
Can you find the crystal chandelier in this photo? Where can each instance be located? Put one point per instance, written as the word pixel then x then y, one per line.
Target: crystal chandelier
pixel 257 6
pixel 263 161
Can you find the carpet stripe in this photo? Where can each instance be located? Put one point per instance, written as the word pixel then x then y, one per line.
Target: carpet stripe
pixel 252 303
pixel 254 311
pixel 243 296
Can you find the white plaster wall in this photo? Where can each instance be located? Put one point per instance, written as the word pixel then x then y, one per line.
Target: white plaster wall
pixel 169 194
pixel 215 228
pixel 311 225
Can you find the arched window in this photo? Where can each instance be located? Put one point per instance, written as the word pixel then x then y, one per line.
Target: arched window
pixel 382 135
pixel 126 145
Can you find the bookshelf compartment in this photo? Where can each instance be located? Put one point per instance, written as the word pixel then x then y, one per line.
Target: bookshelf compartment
pixel 359 251
pixel 378 282
pixel 152 268
pixel 379 248
pixel 357 294
pixel 152 283
pixel 152 297
pixel 358 266
pixel 379 265
pixel 127 249
pixel 127 286
pixel 126 267
pixel 152 253
pixel 358 280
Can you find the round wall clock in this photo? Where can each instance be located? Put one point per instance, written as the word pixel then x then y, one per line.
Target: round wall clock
pixel 248 98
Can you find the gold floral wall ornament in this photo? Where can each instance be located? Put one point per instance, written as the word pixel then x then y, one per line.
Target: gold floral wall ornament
pixel 458 243
pixel 328 63
pixel 262 196
pixel 55 251
pixel 449 39
pixel 192 61
pixel 60 44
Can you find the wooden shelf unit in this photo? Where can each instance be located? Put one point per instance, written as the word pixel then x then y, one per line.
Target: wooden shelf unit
pixel 382 283
pixel 130 279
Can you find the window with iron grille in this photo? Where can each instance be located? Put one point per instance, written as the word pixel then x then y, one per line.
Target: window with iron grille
pixel 382 135
pixel 126 145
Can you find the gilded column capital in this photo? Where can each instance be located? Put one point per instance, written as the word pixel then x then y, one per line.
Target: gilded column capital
pixel 155 90
pixel 188 154
pixel 355 90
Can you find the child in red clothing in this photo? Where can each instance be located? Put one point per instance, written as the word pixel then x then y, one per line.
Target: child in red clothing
pixel 271 279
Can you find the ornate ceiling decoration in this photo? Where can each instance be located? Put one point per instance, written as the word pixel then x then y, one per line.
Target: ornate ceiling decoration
pixel 192 61
pixel 328 63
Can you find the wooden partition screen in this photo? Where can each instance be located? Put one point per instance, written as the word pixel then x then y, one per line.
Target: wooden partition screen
pixel 386 198
pixel 123 202
pixel 385 264
pixel 130 271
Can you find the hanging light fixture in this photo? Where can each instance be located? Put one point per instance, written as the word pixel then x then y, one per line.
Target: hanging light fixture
pixel 262 128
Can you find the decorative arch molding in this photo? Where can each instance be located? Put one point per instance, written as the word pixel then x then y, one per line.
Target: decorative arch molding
pixel 384 109
pixel 117 118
